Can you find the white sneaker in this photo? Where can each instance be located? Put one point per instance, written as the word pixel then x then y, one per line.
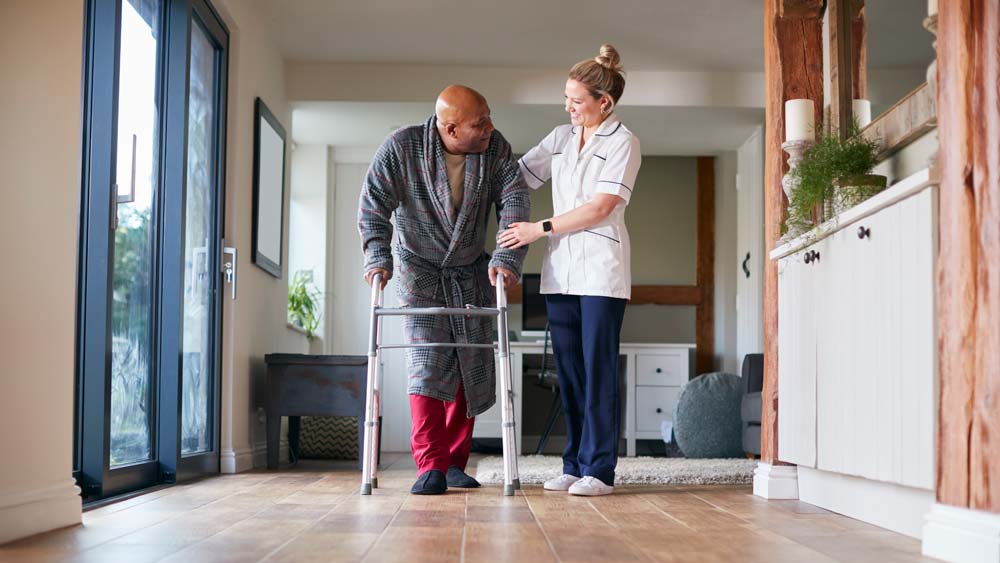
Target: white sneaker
pixel 561 483
pixel 590 487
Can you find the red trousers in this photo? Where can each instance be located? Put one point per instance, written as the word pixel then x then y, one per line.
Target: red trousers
pixel 442 433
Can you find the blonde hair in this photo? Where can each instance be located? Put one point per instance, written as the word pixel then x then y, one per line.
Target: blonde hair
pixel 602 75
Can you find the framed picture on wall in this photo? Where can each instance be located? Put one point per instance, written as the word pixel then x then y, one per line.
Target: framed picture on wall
pixel 268 189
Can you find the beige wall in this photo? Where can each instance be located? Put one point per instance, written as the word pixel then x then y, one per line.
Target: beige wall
pixel 662 223
pixel 255 324
pixel 40 62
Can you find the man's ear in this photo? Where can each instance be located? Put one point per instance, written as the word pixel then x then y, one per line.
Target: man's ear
pixel 451 128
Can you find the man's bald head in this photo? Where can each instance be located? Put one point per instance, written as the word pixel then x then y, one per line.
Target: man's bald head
pixel 463 120
pixel 456 102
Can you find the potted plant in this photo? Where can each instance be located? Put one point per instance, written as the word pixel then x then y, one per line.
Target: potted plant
pixel 303 305
pixel 833 175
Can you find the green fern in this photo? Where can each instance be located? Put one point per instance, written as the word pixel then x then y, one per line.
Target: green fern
pixel 303 305
pixel 825 164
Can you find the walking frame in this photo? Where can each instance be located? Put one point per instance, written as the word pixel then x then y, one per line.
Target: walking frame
pixel 369 466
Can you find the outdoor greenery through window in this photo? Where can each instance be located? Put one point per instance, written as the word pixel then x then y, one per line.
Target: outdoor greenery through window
pixel 132 293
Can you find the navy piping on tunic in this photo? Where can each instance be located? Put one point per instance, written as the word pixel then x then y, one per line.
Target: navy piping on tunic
pixel 610 182
pixel 600 235
pixel 521 162
pixel 611 133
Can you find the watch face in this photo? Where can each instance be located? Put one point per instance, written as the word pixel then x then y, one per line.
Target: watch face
pixel 546 226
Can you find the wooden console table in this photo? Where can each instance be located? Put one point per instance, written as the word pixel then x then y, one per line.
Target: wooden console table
pixel 304 385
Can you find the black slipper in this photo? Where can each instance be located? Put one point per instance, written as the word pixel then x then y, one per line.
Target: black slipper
pixel 431 482
pixel 460 479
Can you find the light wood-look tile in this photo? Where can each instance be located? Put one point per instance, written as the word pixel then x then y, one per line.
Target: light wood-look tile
pixel 312 512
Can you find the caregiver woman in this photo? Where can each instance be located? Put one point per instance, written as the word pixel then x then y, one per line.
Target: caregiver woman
pixel 593 162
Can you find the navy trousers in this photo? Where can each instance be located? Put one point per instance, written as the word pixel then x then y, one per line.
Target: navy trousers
pixel 585 338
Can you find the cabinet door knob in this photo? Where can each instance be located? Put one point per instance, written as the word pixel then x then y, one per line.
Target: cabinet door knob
pixel 864 232
pixel 808 257
pixel 659 410
pixel 659 370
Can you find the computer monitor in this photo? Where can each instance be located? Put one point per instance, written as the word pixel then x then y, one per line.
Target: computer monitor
pixel 534 316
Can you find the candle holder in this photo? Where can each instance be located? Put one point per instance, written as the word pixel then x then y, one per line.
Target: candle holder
pixel 795 150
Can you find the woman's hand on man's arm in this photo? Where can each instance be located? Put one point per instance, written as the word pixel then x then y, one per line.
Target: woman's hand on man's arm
pixel 583 217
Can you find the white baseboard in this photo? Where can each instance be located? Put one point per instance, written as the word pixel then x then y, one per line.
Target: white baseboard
pixel 888 505
pixel 776 482
pixel 962 535
pixel 236 461
pixel 26 513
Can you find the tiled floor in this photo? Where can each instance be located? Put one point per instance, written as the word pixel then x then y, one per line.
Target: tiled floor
pixel 313 513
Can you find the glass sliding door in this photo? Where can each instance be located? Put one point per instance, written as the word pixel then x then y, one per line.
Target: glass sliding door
pixel 201 247
pixel 150 296
pixel 133 265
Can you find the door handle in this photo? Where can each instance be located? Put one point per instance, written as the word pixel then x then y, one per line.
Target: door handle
pixel 229 268
pixel 745 269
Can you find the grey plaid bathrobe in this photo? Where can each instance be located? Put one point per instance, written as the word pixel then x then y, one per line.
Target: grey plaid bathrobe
pixel 442 258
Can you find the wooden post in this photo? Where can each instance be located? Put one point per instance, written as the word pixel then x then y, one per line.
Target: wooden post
pixel 842 69
pixel 968 453
pixel 859 50
pixel 705 270
pixel 793 68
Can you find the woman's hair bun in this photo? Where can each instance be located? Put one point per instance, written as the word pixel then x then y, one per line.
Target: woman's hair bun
pixel 609 58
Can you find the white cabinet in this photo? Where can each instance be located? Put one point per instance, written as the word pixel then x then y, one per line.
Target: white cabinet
pixel 653 405
pixel 857 348
pixel 653 375
pixel 670 369
pixel 799 282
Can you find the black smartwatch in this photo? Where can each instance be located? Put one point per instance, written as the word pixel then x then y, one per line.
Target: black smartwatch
pixel 547 226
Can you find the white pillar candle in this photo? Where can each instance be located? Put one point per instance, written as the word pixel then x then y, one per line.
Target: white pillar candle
pixel 800 124
pixel 862 111
pixel 931 7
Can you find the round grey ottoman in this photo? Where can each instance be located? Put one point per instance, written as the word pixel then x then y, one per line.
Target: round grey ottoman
pixel 707 419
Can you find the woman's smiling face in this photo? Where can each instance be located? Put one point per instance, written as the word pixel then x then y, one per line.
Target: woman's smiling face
pixel 582 107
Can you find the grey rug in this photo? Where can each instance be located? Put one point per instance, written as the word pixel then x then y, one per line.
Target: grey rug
pixel 536 469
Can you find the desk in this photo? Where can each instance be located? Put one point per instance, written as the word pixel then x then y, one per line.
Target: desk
pixel 654 374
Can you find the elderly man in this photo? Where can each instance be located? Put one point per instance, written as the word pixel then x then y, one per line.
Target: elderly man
pixel 441 179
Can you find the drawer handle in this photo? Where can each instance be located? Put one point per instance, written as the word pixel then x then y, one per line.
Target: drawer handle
pixel 864 232
pixel 659 410
pixel 659 370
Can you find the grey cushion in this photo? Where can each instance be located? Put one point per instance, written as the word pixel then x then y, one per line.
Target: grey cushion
pixel 750 407
pixel 707 420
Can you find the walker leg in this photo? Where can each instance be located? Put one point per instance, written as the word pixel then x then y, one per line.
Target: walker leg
pixel 367 471
pixel 506 393
pixel 377 415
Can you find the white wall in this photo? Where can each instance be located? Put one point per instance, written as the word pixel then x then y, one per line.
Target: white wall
pixel 40 62
pixel 307 231
pixel 750 241
pixel 255 324
pixel 912 158
pixel 351 299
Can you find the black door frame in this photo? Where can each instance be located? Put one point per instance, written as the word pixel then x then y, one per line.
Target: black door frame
pixel 92 469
